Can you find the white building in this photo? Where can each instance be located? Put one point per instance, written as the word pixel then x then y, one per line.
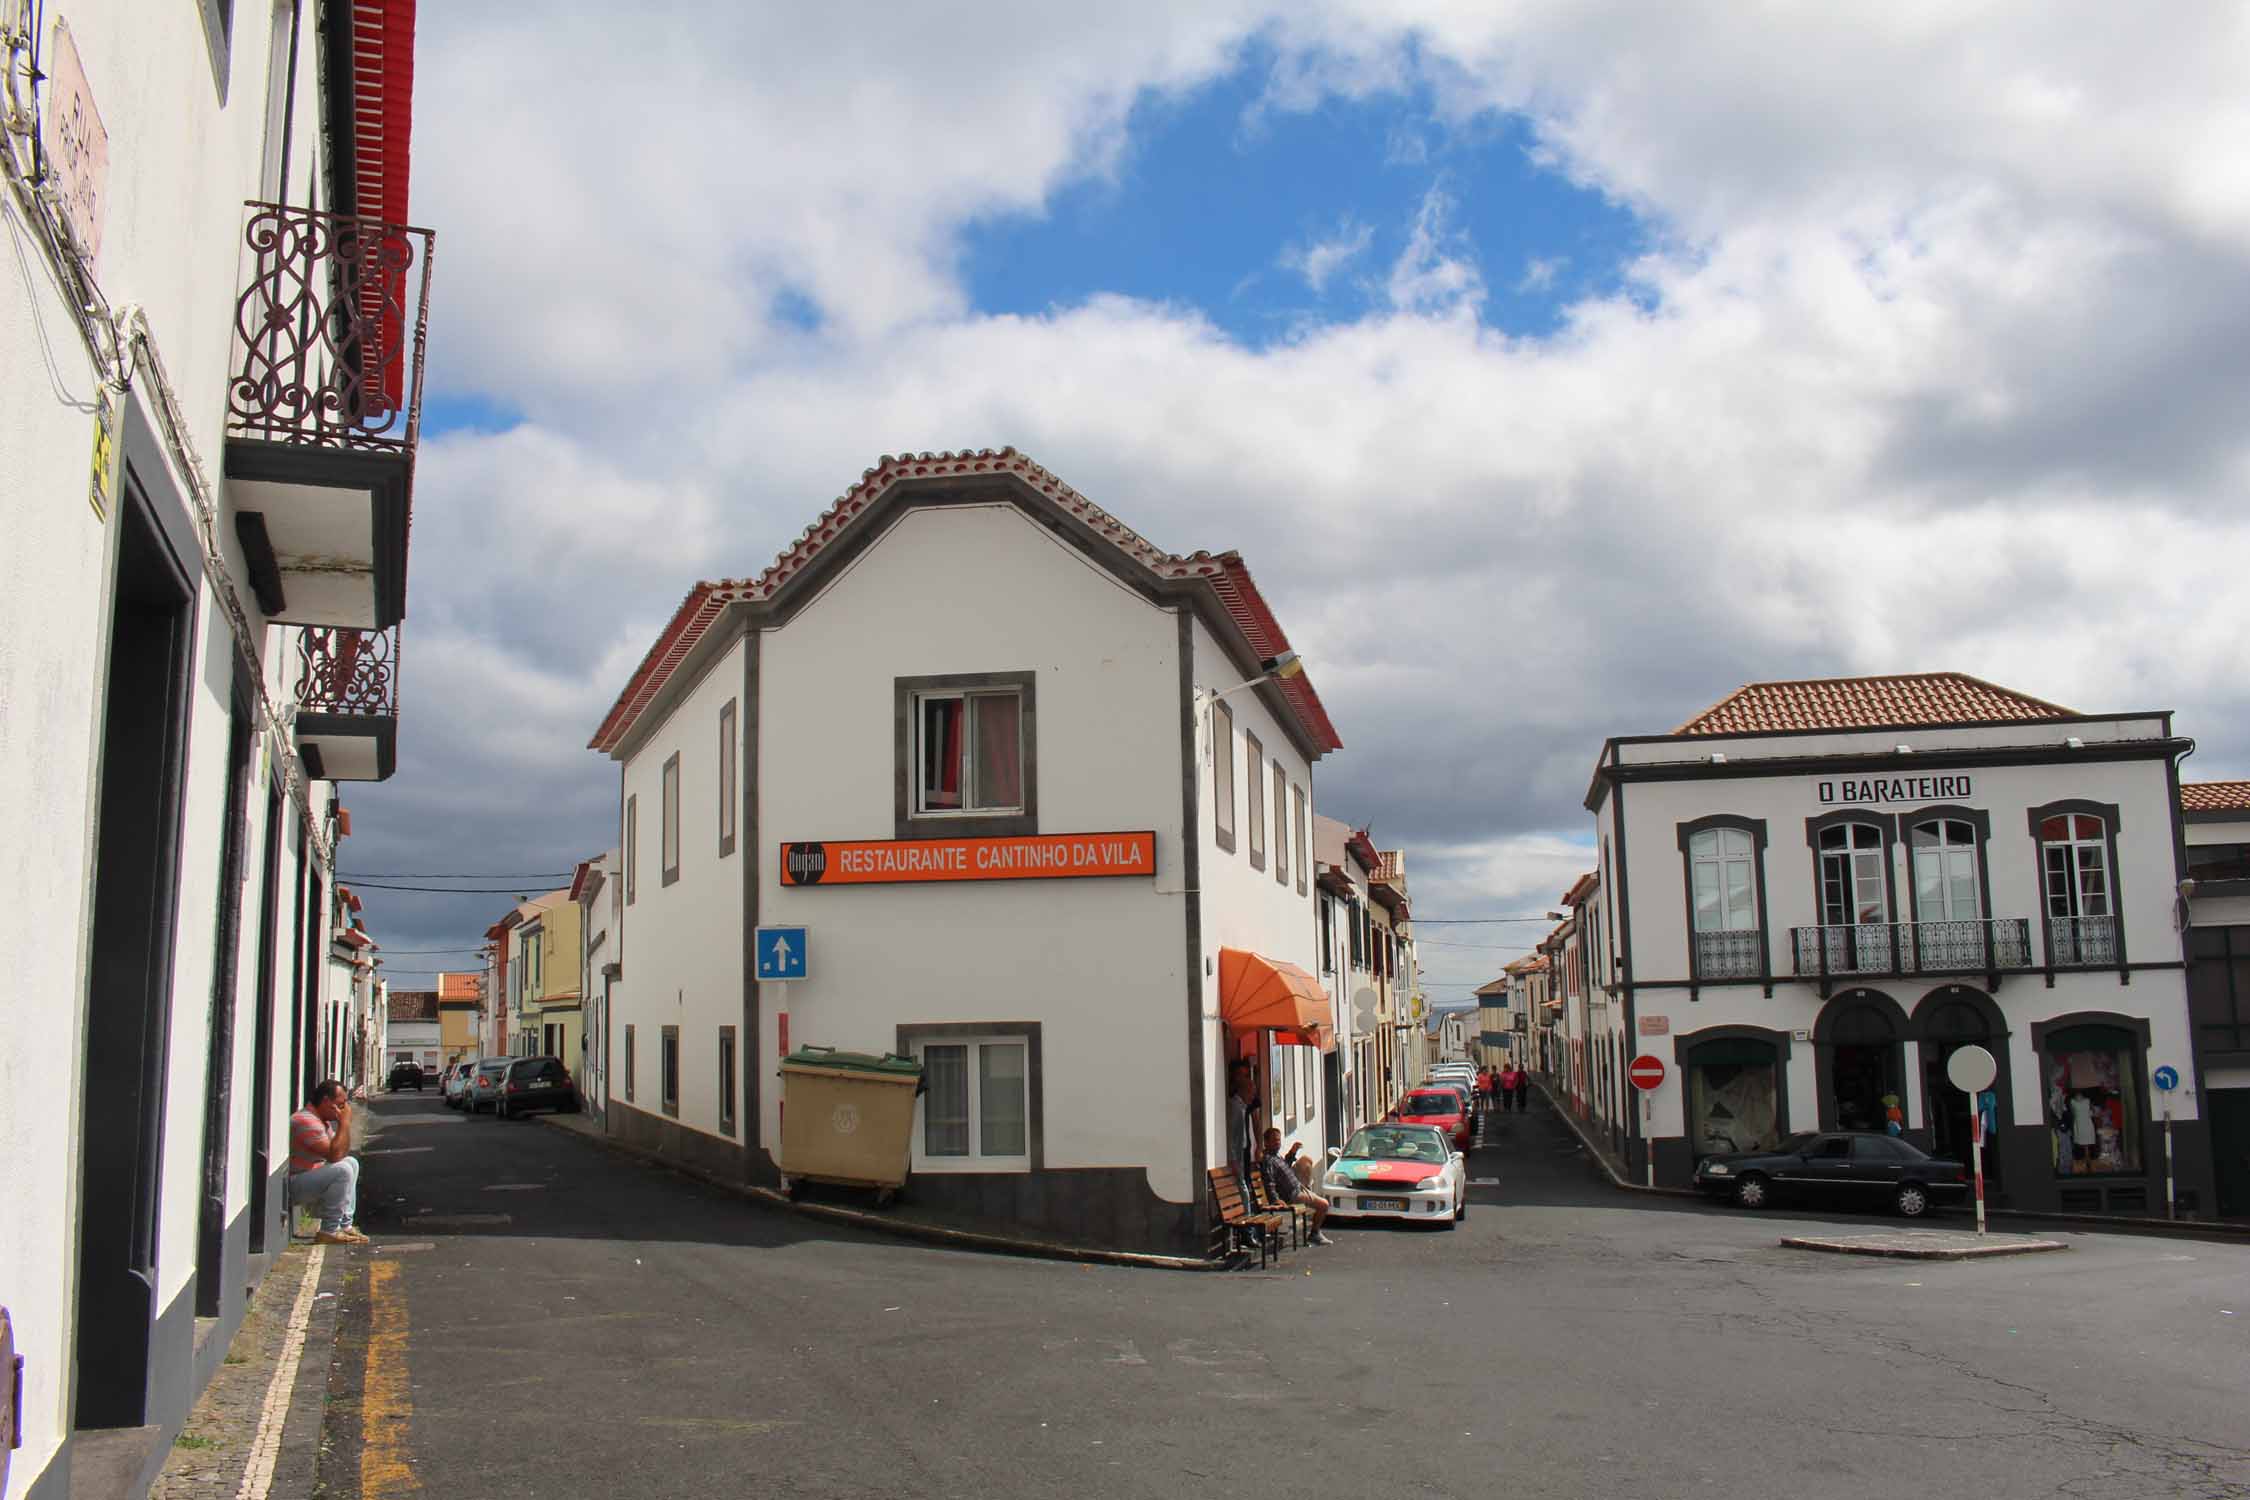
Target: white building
pixel 412 1035
pixel 1025 780
pixel 208 416
pixel 1346 861
pixel 596 889
pixel 1822 889
pixel 2216 819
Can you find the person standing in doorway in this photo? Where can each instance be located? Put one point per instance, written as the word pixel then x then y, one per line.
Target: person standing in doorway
pixel 321 1167
pixel 1242 1093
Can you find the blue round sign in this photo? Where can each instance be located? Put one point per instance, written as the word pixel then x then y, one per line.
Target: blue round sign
pixel 2167 1078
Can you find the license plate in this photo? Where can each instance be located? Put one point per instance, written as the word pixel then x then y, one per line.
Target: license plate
pixel 1378 1205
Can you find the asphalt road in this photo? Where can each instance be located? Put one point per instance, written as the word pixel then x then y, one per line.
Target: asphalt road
pixel 575 1323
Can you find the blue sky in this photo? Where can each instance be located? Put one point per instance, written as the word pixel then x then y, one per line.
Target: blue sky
pixel 1213 191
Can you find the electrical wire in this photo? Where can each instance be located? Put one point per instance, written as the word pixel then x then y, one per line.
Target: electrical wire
pixel 452 875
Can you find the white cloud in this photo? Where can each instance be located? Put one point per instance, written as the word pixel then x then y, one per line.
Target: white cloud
pixel 1539 272
pixel 1320 260
pixel 1950 378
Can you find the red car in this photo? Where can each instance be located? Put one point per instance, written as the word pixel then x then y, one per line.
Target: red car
pixel 1442 1108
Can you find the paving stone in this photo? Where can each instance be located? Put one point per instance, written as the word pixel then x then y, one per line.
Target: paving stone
pixel 208 1457
pixel 1923 1244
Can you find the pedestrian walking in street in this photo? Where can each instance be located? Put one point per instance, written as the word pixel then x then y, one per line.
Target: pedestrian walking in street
pixel 1282 1180
pixel 322 1169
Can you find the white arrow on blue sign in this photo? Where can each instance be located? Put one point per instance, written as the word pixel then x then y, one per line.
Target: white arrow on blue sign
pixel 2167 1078
pixel 782 952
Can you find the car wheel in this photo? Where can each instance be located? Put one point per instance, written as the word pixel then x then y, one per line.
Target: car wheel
pixel 1752 1192
pixel 1913 1200
pixel 1461 1209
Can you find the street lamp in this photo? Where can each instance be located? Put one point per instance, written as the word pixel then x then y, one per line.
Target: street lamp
pixel 1270 669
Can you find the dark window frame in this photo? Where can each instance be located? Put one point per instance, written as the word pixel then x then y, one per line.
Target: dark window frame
pixel 1940 812
pixel 1034 1077
pixel 729 760
pixel 2111 822
pixel 1886 824
pixel 907 823
pixel 1301 806
pixel 2136 1032
pixel 632 848
pixel 668 1071
pixel 1254 802
pixel 1222 777
pixel 1756 829
pixel 2231 961
pixel 1281 823
pixel 668 822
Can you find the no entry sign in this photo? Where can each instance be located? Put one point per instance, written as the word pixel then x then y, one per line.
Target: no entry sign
pixel 1645 1072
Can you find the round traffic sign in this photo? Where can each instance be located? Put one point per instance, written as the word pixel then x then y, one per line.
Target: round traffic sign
pixel 2167 1078
pixel 1645 1072
pixel 1971 1069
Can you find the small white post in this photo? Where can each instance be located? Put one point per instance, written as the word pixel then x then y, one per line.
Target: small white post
pixel 1648 1132
pixel 2171 1202
pixel 1976 1155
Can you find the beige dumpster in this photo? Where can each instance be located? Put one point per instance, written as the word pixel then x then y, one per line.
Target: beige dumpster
pixel 848 1118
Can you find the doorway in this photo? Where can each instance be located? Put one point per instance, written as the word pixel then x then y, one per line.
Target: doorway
pixel 129 981
pixel 261 1051
pixel 1949 1023
pixel 218 1067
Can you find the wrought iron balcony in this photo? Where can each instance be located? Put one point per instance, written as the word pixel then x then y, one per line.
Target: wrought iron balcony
pixel 2082 942
pixel 324 411
pixel 1737 953
pixel 347 703
pixel 1998 945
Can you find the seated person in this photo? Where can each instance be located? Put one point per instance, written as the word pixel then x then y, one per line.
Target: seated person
pixel 1281 1178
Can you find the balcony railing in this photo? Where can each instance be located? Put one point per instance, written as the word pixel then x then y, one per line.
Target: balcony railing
pixel 2083 942
pixel 331 331
pixel 1979 946
pixel 1738 953
pixel 349 672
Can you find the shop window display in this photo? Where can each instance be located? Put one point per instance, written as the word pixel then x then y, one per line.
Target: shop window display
pixel 2092 1101
pixel 1733 1098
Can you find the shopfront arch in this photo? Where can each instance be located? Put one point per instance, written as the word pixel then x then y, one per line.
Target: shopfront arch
pixel 1945 1020
pixel 2094 1093
pixel 1859 1052
pixel 1736 1087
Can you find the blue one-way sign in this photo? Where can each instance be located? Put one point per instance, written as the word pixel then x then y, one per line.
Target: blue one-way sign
pixel 782 952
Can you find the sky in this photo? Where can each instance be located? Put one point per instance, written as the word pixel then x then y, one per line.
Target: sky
pixel 1557 367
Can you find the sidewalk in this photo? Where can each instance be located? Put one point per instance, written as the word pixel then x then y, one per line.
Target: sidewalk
pixel 902 1219
pixel 2234 1231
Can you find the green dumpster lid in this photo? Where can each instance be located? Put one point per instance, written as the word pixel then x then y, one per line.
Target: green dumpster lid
pixel 888 1063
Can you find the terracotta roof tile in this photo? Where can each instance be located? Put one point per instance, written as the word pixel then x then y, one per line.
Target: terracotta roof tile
pixel 456 987
pixel 707 601
pixel 1909 700
pixel 413 1005
pixel 2215 796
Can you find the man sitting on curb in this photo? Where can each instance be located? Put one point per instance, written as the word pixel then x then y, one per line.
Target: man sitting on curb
pixel 1281 1179
pixel 321 1166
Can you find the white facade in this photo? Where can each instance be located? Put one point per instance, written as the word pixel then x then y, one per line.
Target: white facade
pixel 2217 826
pixel 1094 1003
pixel 600 896
pixel 139 671
pixel 1954 923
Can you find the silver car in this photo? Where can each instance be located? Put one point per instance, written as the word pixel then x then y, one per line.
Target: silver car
pixel 457 1083
pixel 484 1083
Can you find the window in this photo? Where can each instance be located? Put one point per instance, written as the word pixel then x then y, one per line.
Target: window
pixel 1359 933
pixel 2219 988
pixel 1327 935
pixel 1853 888
pixel 2074 863
pixel 1946 888
pixel 628 1064
pixel 1254 763
pixel 726 1080
pixel 1304 843
pixel 2092 1075
pixel 726 779
pixel 976 1103
pixel 671 1070
pixel 1222 773
pixel 218 36
pixel 670 834
pixel 1280 825
pixel 632 848
pixel 967 765
pixel 2219 861
pixel 1724 899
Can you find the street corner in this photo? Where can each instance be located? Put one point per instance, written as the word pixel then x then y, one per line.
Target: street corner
pixel 1922 1244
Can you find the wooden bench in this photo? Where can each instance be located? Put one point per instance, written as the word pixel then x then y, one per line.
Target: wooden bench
pixel 1240 1221
pixel 1262 1200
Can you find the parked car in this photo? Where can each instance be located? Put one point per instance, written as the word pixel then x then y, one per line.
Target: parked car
pixel 1850 1166
pixel 457 1083
pixel 535 1083
pixel 1397 1171
pixel 406 1075
pixel 484 1084
pixel 1439 1107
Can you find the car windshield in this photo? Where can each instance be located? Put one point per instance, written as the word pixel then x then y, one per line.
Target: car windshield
pixel 1448 1103
pixel 1397 1143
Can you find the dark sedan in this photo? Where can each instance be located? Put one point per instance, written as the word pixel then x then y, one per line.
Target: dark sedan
pixel 535 1083
pixel 1854 1167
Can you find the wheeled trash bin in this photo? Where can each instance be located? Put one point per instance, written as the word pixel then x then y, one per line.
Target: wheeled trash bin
pixel 848 1118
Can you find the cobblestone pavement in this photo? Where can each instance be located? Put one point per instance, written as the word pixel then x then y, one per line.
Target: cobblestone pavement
pixel 209 1455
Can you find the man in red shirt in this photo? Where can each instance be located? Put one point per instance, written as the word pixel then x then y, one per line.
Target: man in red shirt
pixel 321 1166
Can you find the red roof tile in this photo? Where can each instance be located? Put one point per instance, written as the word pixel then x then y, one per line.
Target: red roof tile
pixel 1912 700
pixel 1229 579
pixel 458 987
pixel 413 1005
pixel 2215 796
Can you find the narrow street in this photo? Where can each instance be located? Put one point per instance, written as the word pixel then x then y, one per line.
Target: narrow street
pixel 540 1311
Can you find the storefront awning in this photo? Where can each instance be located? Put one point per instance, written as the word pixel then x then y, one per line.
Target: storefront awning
pixel 1257 993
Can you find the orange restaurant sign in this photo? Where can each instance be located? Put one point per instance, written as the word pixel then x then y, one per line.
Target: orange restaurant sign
pixel 1051 856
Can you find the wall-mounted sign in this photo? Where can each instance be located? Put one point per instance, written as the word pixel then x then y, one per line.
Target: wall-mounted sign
pixel 1873 789
pixel 1055 856
pixel 76 145
pixel 1653 1025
